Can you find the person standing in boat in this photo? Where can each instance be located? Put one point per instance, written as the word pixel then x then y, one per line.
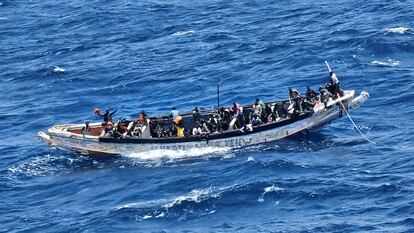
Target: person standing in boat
pixel 196 115
pixel 174 113
pixel 261 103
pixel 107 116
pixel 257 109
pixel 333 85
pixel 179 126
pixel 236 112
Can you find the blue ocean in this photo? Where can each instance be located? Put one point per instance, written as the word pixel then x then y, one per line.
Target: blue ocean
pixel 60 59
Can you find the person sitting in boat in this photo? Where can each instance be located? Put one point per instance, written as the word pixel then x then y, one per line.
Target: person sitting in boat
pixel 214 123
pixel 86 129
pixel 255 121
pixel 117 130
pixel 323 95
pixel 107 116
pixel 295 101
pixel 122 126
pixel 107 128
pixel 197 129
pixel 267 114
pixel 310 94
pixel 248 126
pixel 161 129
pixel 174 113
pixel 205 127
pixel 225 118
pixel 142 126
pixel 310 100
pixel 240 121
pixel 196 115
pixel 275 109
pixel 179 126
pixel 140 122
pixel 294 97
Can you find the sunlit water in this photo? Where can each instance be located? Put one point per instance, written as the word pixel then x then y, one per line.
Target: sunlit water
pixel 60 59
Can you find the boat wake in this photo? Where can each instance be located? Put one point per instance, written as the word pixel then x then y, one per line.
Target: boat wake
pixel 157 155
pixel 45 166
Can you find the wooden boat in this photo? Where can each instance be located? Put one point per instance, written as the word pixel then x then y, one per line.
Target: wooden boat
pixel 94 143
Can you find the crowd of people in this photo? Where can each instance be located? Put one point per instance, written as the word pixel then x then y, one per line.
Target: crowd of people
pixel 220 120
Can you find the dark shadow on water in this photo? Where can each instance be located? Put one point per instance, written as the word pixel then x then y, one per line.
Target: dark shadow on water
pixel 309 142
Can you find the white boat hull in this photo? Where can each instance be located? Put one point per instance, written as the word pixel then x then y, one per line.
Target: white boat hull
pixel 92 146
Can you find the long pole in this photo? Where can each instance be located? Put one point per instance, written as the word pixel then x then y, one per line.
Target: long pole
pixel 218 93
pixel 218 96
pixel 328 66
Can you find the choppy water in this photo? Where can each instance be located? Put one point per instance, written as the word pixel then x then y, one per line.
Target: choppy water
pixel 59 59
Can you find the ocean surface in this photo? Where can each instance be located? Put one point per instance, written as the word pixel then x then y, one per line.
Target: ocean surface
pixel 60 59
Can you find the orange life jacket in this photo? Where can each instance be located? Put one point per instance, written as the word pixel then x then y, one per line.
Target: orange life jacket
pixel 178 120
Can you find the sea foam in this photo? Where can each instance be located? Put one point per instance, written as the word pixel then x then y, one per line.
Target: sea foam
pixel 156 155
pixel 389 62
pixel 269 189
pixel 183 33
pixel 399 30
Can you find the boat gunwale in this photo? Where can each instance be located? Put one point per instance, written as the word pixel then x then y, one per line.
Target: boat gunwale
pixel 62 130
pixel 212 136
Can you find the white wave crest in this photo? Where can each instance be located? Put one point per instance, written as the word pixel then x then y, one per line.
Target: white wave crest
pixel 389 62
pixel 183 33
pixel 147 217
pixel 269 189
pixel 161 206
pixel 58 69
pixel 196 195
pixel 164 206
pixel 400 30
pixel 161 215
pixel 156 155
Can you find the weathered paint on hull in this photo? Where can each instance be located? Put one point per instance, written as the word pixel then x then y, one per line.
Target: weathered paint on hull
pixel 96 148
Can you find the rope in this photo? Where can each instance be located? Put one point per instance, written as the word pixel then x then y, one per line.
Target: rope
pixel 349 116
pixel 357 128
